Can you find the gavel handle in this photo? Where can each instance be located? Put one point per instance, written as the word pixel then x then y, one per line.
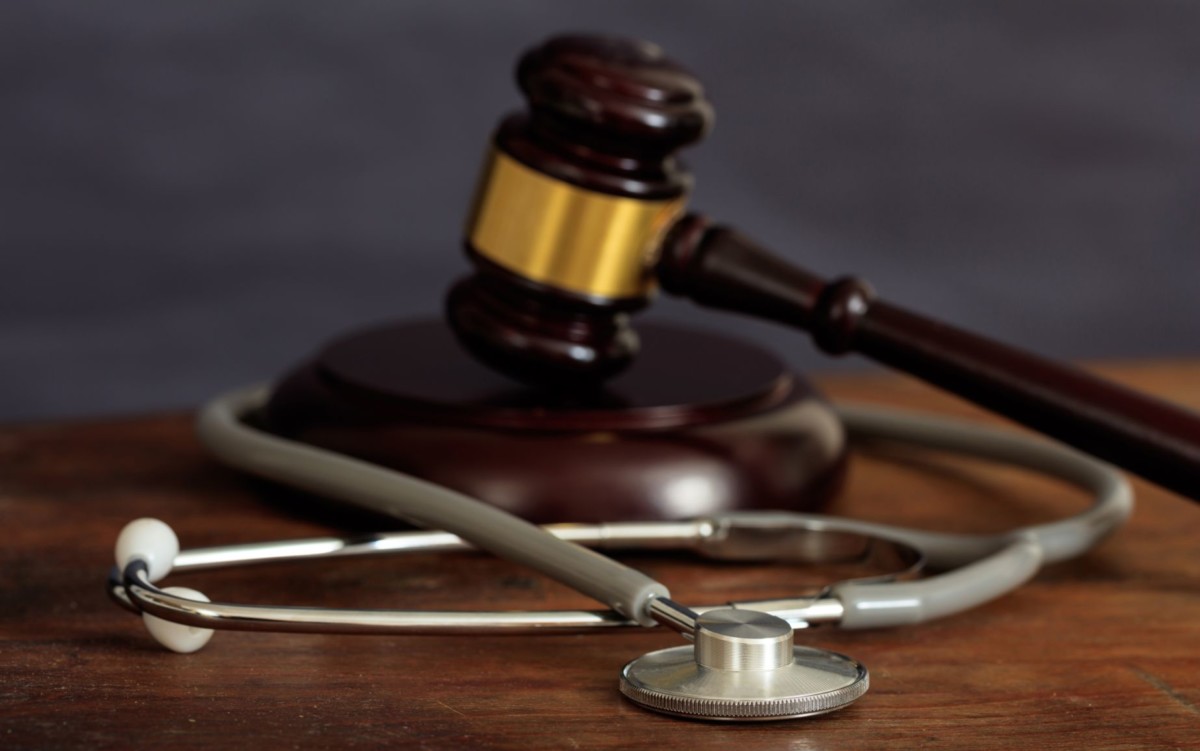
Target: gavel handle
pixel 717 267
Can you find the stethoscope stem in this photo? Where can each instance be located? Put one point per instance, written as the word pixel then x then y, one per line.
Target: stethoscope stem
pixel 674 616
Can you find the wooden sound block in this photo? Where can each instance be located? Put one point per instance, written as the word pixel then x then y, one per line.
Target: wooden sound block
pixel 699 424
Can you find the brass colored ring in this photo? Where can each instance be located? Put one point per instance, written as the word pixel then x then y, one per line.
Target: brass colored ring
pixel 564 236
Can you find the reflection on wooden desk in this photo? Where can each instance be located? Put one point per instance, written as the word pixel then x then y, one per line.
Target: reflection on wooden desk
pixel 1102 652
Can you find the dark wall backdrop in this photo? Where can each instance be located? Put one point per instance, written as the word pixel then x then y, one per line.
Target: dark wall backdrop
pixel 194 194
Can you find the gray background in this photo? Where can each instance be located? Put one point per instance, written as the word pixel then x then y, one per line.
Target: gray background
pixel 194 194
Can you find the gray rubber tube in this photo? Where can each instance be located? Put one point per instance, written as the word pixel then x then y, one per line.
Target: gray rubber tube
pixel 985 566
pixel 425 504
pixel 1067 538
pixel 906 603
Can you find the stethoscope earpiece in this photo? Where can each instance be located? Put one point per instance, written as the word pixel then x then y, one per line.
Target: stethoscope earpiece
pixel 178 637
pixel 151 541
pixel 152 544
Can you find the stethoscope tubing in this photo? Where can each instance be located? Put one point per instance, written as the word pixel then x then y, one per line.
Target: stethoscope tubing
pixel 982 566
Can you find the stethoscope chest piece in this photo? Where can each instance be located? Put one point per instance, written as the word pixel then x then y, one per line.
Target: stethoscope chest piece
pixel 744 666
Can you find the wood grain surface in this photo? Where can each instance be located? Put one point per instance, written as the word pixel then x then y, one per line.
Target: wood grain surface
pixel 1098 653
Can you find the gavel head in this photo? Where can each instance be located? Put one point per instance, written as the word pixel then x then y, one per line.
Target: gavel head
pixel 575 196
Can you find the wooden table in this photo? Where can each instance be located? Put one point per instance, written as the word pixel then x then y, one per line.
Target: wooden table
pixel 1103 652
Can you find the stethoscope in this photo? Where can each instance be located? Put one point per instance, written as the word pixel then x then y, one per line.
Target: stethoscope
pixel 743 663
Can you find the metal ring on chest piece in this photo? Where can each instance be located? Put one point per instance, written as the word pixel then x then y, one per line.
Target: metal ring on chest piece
pixel 744 666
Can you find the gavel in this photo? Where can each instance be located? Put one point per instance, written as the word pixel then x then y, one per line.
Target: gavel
pixel 580 217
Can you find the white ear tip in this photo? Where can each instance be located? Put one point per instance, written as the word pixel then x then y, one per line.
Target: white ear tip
pixel 152 541
pixel 178 637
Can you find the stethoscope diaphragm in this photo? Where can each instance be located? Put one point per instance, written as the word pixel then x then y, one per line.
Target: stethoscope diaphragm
pixel 743 666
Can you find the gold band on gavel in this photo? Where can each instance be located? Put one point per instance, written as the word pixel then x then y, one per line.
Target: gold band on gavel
pixel 564 236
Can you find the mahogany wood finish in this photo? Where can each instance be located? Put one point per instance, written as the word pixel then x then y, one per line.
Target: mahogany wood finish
pixel 606 114
pixel 672 437
pixel 1100 653
pixel 717 267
